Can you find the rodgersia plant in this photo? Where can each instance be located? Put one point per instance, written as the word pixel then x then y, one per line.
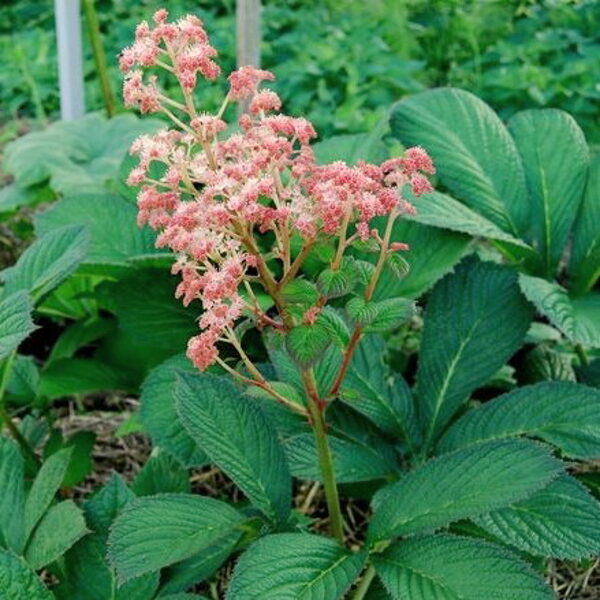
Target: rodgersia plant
pixel 267 238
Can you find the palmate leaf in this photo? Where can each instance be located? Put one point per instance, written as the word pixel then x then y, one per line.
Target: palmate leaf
pixel 461 484
pixel 294 566
pixel 15 322
pixel 473 152
pixel 159 415
pixel 18 581
pixel 561 413
pixel 448 567
pixel 475 320
pixel 584 265
pixel 577 318
pixel 238 438
pixel 561 520
pixel 47 262
pixel 156 531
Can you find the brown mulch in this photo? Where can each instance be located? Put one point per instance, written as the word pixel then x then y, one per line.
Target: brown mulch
pixel 127 454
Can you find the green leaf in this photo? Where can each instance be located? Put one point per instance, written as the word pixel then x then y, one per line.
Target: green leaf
pixel 448 567
pixel 23 380
pixel 474 321
pixel 105 505
pixel 12 495
pixel 78 335
pixel 351 148
pixel 73 376
pixel 578 319
pixel 159 415
pixel 82 443
pixel 18 581
pixel 351 462
pixel 161 474
pixel 461 484
pixel 47 262
pixel 382 315
pixel 15 322
pixel 300 291
pixel 584 265
pixel 156 531
pixel 555 157
pixel 290 566
pixel 546 364
pixel 44 487
pixel 57 531
pixel 307 343
pixel 440 210
pixel 367 390
pixel 562 520
pixel 339 282
pixel 115 238
pixel 561 413
pixel 238 438
pixel 473 152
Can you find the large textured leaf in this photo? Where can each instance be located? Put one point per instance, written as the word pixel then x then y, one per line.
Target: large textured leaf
pixel 12 495
pixel 464 483
pixel 156 531
pixel 18 581
pixel 47 262
pixel 367 389
pixel 447 567
pixel 159 415
pixel 585 255
pixel 15 322
pixel 294 566
pixel 441 210
pixel 562 413
pixel 555 157
pixel 433 252
pixel 475 320
pixel 561 520
pixel 577 318
pixel 115 239
pixel 44 487
pixel 238 438
pixel 57 531
pixel 472 150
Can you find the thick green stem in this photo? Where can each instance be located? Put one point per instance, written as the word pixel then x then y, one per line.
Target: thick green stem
pixel 93 28
pixel 317 414
pixel 365 583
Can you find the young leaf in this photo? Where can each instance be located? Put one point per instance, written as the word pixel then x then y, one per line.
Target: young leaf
pixel 561 520
pixel 12 495
pixel 473 152
pixel 156 531
pixel 461 484
pixel 300 291
pixel 294 565
pixel 18 581
pixel 57 531
pixel 475 320
pixel 335 283
pixel 15 322
pixel 159 415
pixel 584 265
pixel 104 506
pixel 561 413
pixel 306 343
pixel 380 316
pixel 47 262
pixel 451 567
pixel 161 474
pixel 577 318
pixel 234 432
pixel 44 487
pixel 555 157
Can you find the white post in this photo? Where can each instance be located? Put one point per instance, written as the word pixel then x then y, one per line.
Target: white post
pixel 247 18
pixel 70 59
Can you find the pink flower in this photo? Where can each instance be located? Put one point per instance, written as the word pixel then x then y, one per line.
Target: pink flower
pixel 245 80
pixel 265 100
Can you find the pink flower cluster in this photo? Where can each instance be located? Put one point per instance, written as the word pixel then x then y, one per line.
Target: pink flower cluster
pixel 216 197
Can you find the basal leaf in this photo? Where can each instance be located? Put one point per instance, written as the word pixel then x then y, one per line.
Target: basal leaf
pixel 18 581
pixel 561 413
pixel 561 520
pixel 156 531
pixel 294 566
pixel 447 567
pixel 461 484
pixel 238 438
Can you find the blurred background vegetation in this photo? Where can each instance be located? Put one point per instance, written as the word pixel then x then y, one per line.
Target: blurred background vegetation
pixel 346 59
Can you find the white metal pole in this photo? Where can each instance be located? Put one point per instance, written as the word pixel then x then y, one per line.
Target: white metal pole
pixel 248 32
pixel 70 59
